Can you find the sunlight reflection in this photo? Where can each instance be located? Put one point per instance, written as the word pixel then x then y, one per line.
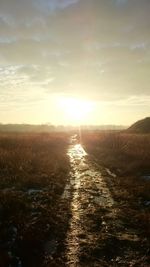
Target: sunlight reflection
pixel 84 180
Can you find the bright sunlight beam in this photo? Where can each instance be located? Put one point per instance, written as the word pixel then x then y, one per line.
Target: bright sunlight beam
pixel 75 110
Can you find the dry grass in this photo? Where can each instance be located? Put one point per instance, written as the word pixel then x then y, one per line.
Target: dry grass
pixel 33 172
pixel 124 153
pixel 30 162
pixel 127 155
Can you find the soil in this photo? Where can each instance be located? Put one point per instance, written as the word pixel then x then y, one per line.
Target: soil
pixel 85 225
pixel 99 233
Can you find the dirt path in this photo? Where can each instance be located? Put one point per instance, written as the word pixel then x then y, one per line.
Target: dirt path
pixel 96 235
pixel 81 226
pixel 89 190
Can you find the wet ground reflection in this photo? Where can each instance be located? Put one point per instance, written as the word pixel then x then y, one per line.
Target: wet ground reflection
pixel 87 189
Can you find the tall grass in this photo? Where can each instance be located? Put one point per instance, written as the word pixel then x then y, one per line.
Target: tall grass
pixel 36 162
pixel 128 155
pixel 124 153
pixel 27 159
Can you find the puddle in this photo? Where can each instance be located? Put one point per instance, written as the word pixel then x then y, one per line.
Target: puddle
pixel 32 191
pixel 88 189
pixel 111 173
pixel 92 207
pixel 67 192
pixel 147 203
pixel 146 177
pixel 128 237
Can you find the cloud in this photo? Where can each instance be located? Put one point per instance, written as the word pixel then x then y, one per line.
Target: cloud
pixel 20 86
pixel 16 11
pixel 132 101
pixel 92 48
pixel 52 5
pixel 121 2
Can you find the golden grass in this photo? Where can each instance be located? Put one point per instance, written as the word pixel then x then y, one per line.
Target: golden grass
pixel 31 162
pixel 127 155
pixel 124 153
pixel 27 159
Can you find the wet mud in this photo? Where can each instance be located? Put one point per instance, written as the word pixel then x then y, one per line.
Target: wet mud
pixel 97 234
pixel 81 225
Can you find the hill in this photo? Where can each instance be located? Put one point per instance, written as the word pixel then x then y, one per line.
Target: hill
pixel 141 126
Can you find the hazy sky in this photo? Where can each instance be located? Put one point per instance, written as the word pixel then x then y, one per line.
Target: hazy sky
pixel 94 50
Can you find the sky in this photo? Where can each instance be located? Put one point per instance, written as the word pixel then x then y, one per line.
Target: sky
pixel 62 56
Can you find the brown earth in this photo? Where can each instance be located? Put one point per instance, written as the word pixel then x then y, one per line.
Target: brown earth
pixel 77 214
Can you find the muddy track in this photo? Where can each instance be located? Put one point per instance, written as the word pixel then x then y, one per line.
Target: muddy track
pixel 97 236
pixel 79 226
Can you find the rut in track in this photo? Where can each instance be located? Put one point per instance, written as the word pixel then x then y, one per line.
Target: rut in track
pixel 98 234
pixel 88 190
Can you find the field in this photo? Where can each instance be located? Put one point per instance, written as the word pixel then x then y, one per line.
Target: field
pixel 33 172
pixel 124 153
pixel 60 208
pixel 128 157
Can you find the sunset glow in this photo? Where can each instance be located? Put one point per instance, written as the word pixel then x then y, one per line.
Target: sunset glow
pixel 88 50
pixel 75 110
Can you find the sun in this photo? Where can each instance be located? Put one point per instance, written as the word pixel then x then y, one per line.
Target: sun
pixel 75 110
